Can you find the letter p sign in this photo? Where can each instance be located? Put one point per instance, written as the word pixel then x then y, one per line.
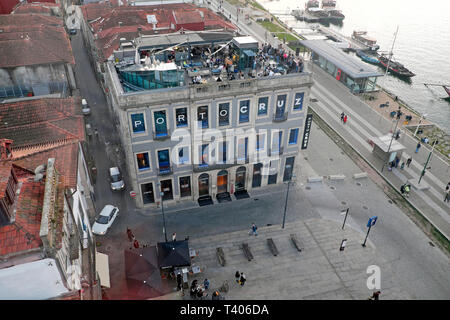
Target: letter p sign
pixel 374 280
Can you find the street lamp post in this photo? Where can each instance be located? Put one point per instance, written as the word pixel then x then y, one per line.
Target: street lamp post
pixel 428 159
pixel 161 193
pixel 393 134
pixel 420 120
pixel 287 195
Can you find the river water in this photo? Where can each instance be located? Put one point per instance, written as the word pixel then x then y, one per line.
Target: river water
pixel 422 45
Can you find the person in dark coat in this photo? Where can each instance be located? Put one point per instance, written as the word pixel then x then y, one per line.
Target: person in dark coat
pixel 408 162
pixel 130 235
pixel 375 295
pixel 237 276
pixel 242 279
pixel 136 244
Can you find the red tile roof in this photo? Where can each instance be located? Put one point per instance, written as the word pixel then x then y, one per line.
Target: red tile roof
pixel 107 17
pixel 29 19
pixel 46 8
pixel 23 233
pixel 5 172
pixel 66 161
pixel 36 122
pixel 42 45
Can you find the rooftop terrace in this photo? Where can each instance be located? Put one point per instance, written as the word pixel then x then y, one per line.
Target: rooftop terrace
pixel 190 59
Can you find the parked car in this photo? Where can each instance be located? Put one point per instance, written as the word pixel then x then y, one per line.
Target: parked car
pixel 105 219
pixel 85 107
pixel 73 31
pixel 115 177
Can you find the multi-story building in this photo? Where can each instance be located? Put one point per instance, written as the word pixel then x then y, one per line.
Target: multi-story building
pixel 204 115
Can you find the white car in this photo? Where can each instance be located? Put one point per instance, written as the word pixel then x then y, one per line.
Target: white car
pixel 105 219
pixel 85 107
pixel 115 178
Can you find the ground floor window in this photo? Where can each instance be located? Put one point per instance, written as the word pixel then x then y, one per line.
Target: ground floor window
pixel 147 193
pixel 185 186
pixel 166 188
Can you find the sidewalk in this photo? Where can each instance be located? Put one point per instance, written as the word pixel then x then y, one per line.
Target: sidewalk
pixel 365 123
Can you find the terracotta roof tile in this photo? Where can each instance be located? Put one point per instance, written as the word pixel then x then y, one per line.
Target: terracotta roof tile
pixel 66 162
pixel 29 19
pixel 23 234
pixel 39 121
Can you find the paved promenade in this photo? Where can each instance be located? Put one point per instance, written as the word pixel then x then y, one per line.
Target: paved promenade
pixel 363 124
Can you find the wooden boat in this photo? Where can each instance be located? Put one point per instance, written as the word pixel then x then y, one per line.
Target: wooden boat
pixel 335 14
pixel 318 13
pixel 312 4
pixel 328 4
pixel 363 38
pixel 366 57
pixel 395 67
pixel 445 86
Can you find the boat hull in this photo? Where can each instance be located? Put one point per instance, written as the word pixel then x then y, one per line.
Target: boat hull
pixel 395 68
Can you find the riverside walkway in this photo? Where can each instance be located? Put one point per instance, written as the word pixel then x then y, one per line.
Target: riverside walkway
pixel 365 123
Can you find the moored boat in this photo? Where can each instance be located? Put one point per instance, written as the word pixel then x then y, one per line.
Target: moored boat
pixel 335 14
pixel 363 38
pixel 328 4
pixel 318 13
pixel 312 4
pixel 367 58
pixel 395 67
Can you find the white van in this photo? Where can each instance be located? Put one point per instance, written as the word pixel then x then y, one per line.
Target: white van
pixel 85 107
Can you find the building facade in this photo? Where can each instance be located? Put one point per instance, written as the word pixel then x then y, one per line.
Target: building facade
pixel 206 141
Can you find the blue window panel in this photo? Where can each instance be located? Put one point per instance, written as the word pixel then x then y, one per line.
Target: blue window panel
pixel 276 143
pixel 298 101
pixel 143 162
pixel 183 155
pixel 181 117
pixel 160 123
pixel 202 117
pixel 164 160
pixel 293 136
pixel 137 122
pixel 244 111
pixel 263 105
pixel 224 114
pixel 280 106
pixel 204 155
pixel 242 148
pixel 260 141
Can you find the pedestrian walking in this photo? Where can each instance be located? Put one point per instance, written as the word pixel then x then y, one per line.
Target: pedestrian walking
pixel 174 236
pixel 253 230
pixel 418 147
pixel 206 284
pixel 397 160
pixel 130 235
pixel 96 133
pixel 342 116
pixel 136 244
pixel 407 189
pixel 242 279
pixel 447 197
pixel 237 276
pixel 402 189
pixel 179 281
pixel 408 162
pixel 375 295
pixel 345 119
pixel 447 187
pixel 402 166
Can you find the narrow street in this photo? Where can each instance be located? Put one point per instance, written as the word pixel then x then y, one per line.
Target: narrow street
pixel 102 150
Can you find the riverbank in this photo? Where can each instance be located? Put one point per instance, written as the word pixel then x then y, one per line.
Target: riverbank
pixel 430 130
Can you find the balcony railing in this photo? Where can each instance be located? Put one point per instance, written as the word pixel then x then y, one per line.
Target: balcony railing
pixel 161 136
pixel 165 171
pixel 280 117
pixel 274 152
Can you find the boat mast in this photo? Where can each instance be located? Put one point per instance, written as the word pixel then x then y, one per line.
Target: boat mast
pixel 390 53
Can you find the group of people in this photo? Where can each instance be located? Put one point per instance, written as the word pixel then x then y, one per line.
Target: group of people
pixel 405 188
pixel 240 278
pixel 197 291
pixel 267 52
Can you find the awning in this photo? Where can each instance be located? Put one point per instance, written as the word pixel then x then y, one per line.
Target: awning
pixel 249 53
pixel 102 267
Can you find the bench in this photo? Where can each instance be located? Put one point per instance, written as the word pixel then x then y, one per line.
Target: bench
pixel 272 246
pixel 360 175
pixel 336 177
pixel 247 251
pixel 315 179
pixel 297 243
pixel 221 256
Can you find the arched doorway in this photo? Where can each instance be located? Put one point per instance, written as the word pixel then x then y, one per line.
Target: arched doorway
pixel 203 184
pixel 222 181
pixel 240 191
